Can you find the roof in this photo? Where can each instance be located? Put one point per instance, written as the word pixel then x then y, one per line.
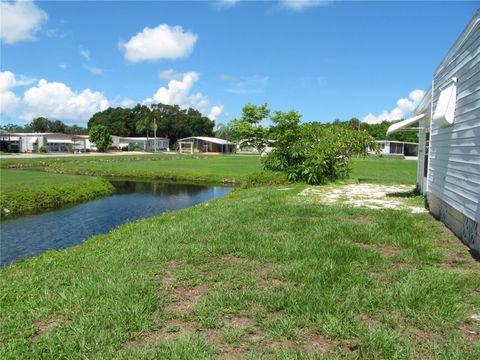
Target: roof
pixel 208 139
pixel 404 124
pixel 141 138
pixel 396 142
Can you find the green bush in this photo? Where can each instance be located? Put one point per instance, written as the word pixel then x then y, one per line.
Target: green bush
pixel 42 149
pixel 100 136
pixel 314 153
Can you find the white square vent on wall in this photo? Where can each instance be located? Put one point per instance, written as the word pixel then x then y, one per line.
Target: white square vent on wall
pixel 445 111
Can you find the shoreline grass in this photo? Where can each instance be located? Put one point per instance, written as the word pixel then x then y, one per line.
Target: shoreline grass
pixel 259 272
pixel 27 191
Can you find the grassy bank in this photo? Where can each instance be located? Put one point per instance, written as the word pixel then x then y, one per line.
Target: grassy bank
pixel 226 169
pixel 259 272
pixel 384 170
pixel 23 191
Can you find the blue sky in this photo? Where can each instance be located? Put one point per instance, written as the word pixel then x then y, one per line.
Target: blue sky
pixel 326 60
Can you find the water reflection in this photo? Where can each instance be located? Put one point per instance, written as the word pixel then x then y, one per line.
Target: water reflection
pixel 33 234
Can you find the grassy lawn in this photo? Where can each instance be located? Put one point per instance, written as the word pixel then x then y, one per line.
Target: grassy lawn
pixel 259 272
pixel 384 170
pixel 28 190
pixel 201 168
pixel 235 169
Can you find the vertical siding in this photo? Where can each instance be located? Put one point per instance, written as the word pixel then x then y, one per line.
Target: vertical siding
pixel 454 164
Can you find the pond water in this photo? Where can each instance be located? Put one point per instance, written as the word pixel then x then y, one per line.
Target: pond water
pixel 31 235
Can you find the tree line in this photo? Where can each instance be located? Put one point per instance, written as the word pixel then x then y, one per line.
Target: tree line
pixel 44 125
pixel 170 120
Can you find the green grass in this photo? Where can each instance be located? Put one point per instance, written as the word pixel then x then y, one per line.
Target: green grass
pixel 231 169
pixel 384 170
pixel 23 191
pixel 260 272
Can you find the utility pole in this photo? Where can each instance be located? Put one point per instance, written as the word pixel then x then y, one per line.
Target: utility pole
pixel 155 134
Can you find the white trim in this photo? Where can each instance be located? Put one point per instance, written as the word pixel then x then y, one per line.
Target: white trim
pixel 403 124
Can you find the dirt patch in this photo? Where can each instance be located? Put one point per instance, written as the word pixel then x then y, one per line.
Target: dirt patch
pixel 241 322
pixel 385 250
pixel 361 219
pixel 171 330
pixel 44 327
pixel 315 343
pixel 231 259
pixel 169 276
pixel 368 321
pixel 185 299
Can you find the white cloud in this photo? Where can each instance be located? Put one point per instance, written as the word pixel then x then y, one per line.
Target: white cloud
pixel 162 42
pixel 20 21
pixel 85 54
pixel 63 66
pixel 8 100
pixel 404 107
pixel 57 101
pixel 170 74
pixel 226 3
pixel 299 5
pixel 215 112
pixel 178 92
pixel 255 84
pixel 94 70
pixel 122 102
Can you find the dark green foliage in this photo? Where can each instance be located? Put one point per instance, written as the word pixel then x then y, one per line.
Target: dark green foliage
pixel 100 135
pixel 42 149
pixel 379 131
pixel 42 124
pixel 172 121
pixel 314 153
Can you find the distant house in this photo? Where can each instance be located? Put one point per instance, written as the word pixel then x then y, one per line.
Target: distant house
pixel 243 147
pixel 448 119
pixel 397 148
pixel 205 144
pixel 53 142
pixel 140 143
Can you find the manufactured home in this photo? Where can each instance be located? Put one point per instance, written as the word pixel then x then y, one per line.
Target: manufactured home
pixel 396 148
pixel 448 120
pixel 205 144
pixel 140 143
pixel 52 142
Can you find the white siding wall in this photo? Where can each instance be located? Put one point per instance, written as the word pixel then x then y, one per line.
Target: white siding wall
pixel 454 164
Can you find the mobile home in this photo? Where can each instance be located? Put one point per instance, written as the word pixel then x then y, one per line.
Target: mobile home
pixel 448 119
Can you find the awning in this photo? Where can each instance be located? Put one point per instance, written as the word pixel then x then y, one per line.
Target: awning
pixel 10 138
pixel 34 139
pixel 53 140
pixel 403 124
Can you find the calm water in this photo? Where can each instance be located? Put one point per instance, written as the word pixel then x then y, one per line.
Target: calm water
pixel 33 234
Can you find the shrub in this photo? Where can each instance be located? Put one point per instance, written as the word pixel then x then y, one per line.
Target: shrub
pixel 42 149
pixel 100 135
pixel 314 153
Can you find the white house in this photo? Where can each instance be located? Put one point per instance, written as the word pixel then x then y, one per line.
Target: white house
pixel 205 144
pixel 397 148
pixel 53 142
pixel 448 118
pixel 142 143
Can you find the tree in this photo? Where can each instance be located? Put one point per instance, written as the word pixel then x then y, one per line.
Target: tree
pixel 249 128
pixel 40 124
pixel 100 135
pixel 314 153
